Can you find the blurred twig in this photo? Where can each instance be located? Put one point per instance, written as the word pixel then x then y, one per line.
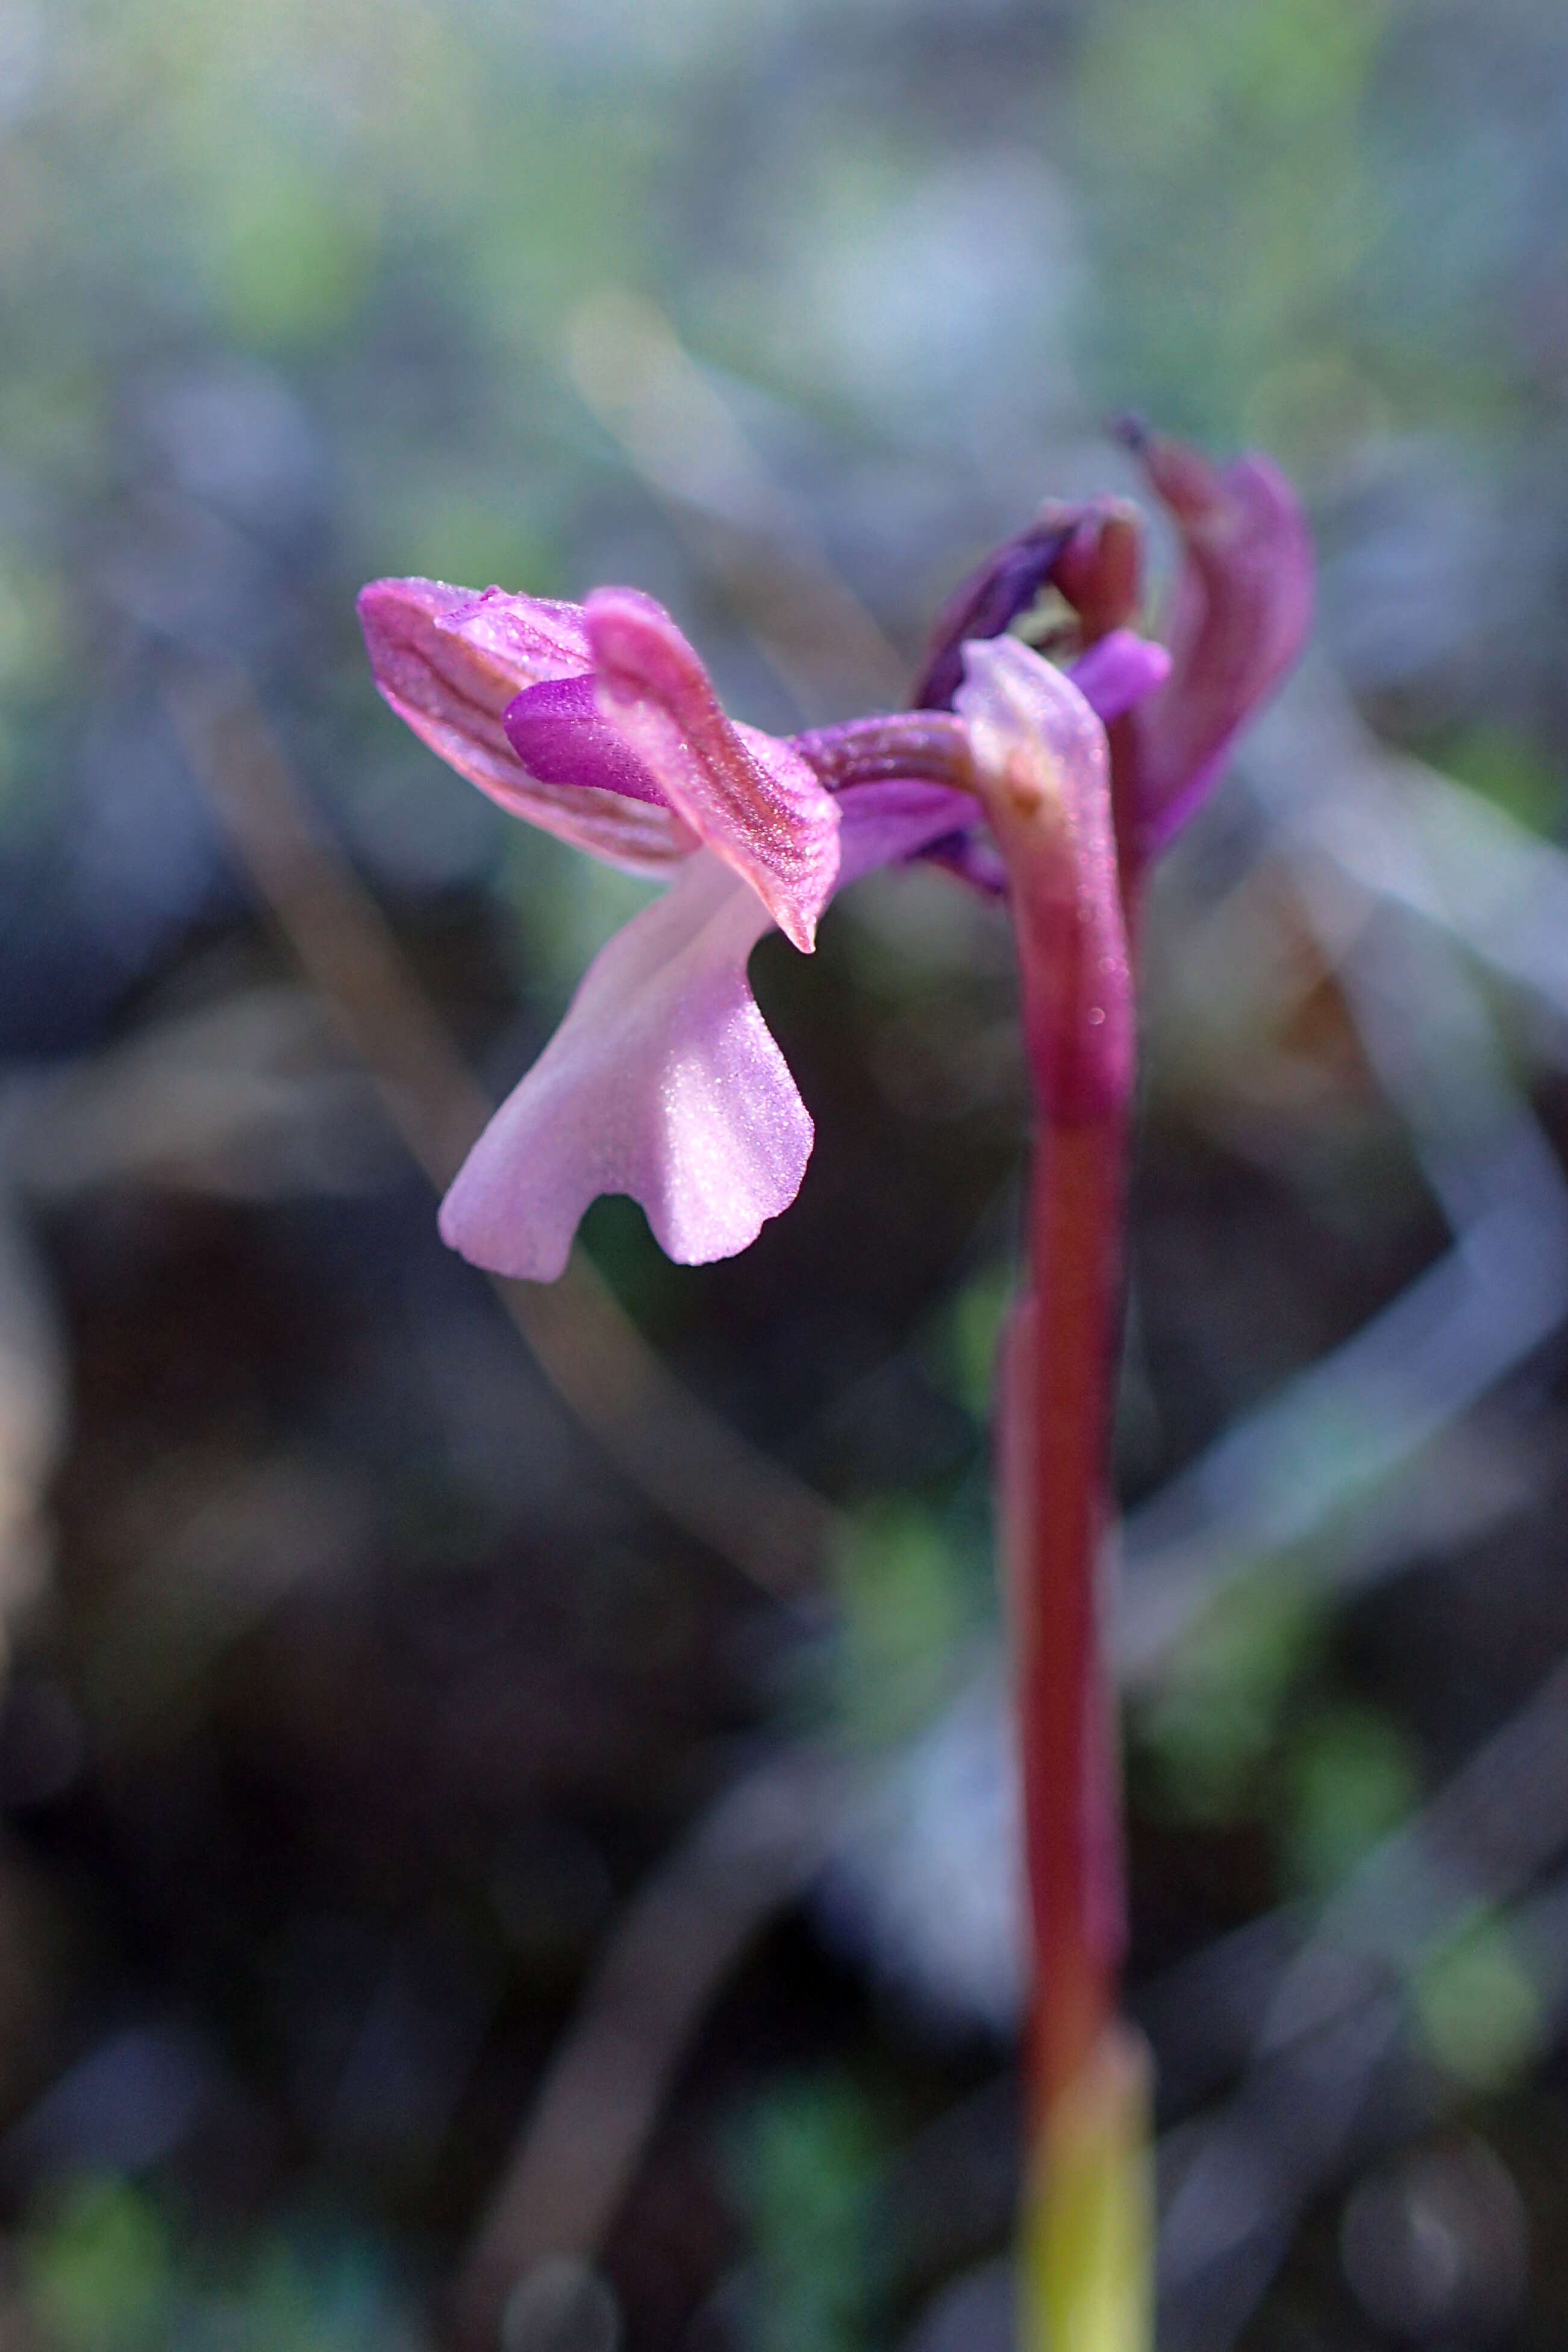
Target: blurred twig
pixel 699 1472
pixel 247 1099
pixel 34 1412
pixel 753 1851
pixel 1280 1475
pixel 1373 846
pixel 1405 834
pixel 1395 870
pixel 1338 2010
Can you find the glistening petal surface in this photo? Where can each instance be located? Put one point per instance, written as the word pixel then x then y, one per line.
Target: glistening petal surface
pixel 661 1081
pixel 450 662
pixel 751 799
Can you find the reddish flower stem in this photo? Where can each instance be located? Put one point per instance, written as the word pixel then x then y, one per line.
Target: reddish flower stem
pixel 1056 1385
pixel 1043 775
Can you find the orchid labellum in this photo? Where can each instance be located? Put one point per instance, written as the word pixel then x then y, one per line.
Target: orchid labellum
pixel 1051 780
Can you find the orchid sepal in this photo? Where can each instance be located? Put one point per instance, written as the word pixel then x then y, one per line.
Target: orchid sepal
pixel 1239 616
pixel 450 662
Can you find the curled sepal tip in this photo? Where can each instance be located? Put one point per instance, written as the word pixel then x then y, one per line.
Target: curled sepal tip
pixel 1242 607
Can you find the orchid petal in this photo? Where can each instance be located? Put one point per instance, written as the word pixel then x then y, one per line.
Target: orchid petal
pixel 449 662
pixel 883 824
pixel 1042 769
pixel 1243 606
pixel 1118 671
pixel 558 733
pixel 751 799
pixel 662 1082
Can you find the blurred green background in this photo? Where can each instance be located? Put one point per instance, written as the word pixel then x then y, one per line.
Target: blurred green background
pixel 389 1722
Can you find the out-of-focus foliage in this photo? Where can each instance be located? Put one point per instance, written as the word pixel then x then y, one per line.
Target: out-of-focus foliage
pixel 355 1693
pixel 107 2270
pixel 806 2168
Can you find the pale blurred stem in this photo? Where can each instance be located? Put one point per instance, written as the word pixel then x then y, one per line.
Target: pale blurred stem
pixel 1087 2254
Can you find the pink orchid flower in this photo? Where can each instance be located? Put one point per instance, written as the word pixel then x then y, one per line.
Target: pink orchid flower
pixel 598 723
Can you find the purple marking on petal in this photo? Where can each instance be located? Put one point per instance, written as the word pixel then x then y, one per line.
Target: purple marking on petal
pixel 1243 606
pixel 1118 672
pixel 449 662
pixel 526 637
pixel 751 799
pixel 661 1081
pixel 556 732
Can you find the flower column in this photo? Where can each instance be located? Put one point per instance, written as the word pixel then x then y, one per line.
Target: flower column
pixel 1042 770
